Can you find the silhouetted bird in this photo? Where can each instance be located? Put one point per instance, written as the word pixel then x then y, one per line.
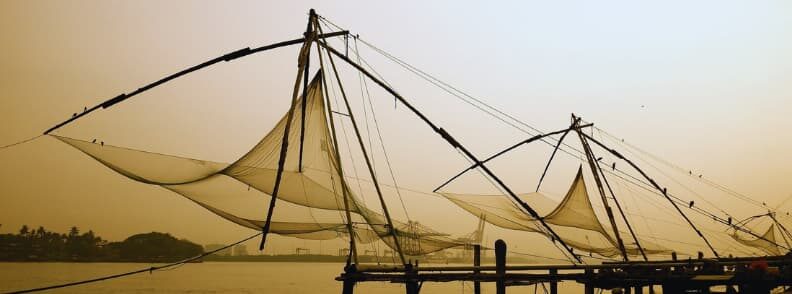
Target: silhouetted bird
pixel 102 143
pixel 94 141
pixel 691 204
pixel 598 159
pixel 699 176
pixel 74 114
pixel 85 109
pixel 613 166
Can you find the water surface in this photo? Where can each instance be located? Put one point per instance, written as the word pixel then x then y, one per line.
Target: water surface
pixel 215 277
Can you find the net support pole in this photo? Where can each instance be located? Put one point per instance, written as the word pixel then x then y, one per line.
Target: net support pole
pixel 227 57
pixel 504 151
pixel 454 143
pixel 370 167
pixel 353 254
pixel 550 160
pixel 621 212
pixel 618 206
pixel 658 188
pixel 308 32
pixel 591 163
pixel 304 52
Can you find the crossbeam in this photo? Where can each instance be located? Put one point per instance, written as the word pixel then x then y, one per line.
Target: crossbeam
pixel 227 57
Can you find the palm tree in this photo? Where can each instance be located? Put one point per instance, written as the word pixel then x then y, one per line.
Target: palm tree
pixel 24 231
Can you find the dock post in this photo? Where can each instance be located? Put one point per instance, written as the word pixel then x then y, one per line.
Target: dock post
pixel 638 290
pixel 500 266
pixel 589 288
pixel 554 282
pixel 349 283
pixel 411 275
pixel 476 263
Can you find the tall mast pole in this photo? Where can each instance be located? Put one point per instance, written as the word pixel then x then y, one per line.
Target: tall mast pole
pixel 345 190
pixel 391 227
pixel 618 205
pixel 454 143
pixel 621 211
pixel 590 159
pixel 308 34
pixel 301 64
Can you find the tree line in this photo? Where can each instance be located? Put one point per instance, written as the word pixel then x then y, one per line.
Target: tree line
pixel 43 245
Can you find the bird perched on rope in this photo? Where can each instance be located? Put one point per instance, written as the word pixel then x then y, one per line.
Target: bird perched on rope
pixel 94 141
pixel 691 204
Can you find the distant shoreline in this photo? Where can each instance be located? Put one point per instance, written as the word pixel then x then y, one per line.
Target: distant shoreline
pixel 275 258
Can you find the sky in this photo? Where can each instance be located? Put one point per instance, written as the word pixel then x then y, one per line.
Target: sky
pixel 705 85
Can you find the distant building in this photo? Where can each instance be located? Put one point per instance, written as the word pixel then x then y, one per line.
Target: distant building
pixel 212 247
pixel 240 250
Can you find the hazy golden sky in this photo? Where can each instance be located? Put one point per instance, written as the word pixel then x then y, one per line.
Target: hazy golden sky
pixel 704 84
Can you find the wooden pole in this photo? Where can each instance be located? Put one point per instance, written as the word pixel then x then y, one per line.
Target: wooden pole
pixel 304 52
pixel 411 281
pixel 353 254
pixel 476 264
pixel 550 160
pixel 226 58
pixel 306 68
pixel 504 151
pixel 589 288
pixel 374 180
pixel 592 164
pixel 349 283
pixel 659 189
pixel 553 283
pixel 454 143
pixel 500 266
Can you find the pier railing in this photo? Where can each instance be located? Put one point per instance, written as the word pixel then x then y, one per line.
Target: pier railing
pixel 735 275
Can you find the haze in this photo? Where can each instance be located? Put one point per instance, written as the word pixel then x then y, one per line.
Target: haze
pixel 705 85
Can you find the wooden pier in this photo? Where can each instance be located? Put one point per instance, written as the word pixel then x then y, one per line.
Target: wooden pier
pixel 730 275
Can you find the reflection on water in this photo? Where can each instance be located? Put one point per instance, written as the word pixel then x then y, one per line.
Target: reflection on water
pixel 214 277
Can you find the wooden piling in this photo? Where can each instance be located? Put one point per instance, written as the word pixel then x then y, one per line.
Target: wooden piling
pixel 500 266
pixel 476 264
pixel 589 288
pixel 349 283
pixel 411 281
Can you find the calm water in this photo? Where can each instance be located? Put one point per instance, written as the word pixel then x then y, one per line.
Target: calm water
pixel 214 277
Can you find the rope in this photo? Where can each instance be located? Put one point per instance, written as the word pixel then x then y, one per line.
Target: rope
pixel 459 94
pixel 379 134
pixel 689 173
pixel 150 270
pixel 20 142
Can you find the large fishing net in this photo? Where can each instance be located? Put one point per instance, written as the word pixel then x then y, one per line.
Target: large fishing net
pixel 310 200
pixel 573 219
pixel 767 242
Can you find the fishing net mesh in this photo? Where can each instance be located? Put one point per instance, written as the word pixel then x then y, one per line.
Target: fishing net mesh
pixel 311 193
pixel 311 196
pixel 573 219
